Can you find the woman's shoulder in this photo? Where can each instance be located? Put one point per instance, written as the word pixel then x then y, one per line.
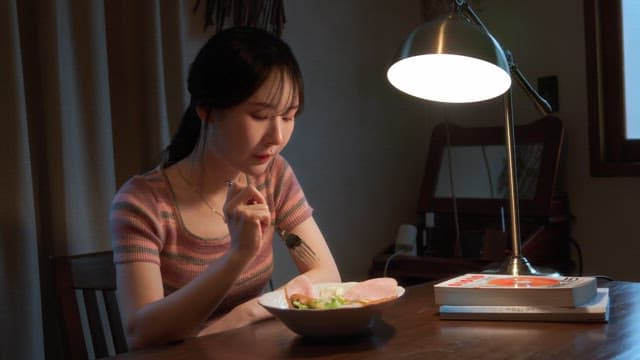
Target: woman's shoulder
pixel 149 186
pixel 279 171
pixel 283 177
pixel 280 165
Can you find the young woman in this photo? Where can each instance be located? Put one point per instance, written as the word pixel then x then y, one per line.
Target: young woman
pixel 192 238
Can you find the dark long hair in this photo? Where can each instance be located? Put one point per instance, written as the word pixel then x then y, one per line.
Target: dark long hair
pixel 228 69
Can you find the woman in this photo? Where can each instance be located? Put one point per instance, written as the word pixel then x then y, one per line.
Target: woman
pixel 192 238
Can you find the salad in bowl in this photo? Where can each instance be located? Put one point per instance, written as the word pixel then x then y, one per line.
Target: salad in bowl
pixel 331 309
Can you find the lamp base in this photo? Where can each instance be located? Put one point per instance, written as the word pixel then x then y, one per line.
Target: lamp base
pixel 519 265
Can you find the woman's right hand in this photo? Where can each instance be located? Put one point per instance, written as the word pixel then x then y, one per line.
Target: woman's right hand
pixel 247 215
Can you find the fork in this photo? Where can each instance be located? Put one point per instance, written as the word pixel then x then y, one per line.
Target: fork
pixel 299 248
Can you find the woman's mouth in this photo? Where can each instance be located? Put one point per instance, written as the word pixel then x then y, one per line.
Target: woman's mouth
pixel 263 158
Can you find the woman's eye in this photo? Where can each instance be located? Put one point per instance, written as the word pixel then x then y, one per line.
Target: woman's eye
pixel 260 116
pixel 289 116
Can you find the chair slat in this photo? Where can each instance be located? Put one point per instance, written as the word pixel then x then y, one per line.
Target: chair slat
pixel 117 331
pixel 95 323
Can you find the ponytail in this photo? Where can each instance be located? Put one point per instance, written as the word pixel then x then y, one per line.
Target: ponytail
pixel 185 139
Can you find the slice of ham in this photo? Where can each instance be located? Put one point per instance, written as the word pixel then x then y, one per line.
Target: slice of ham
pixel 367 292
pixel 300 286
pixel 373 291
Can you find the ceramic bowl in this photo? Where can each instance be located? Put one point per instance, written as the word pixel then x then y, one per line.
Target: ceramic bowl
pixel 343 321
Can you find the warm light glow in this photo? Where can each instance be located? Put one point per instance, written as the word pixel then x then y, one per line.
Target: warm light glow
pixel 449 78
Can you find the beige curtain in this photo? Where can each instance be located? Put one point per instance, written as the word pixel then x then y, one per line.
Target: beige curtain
pixel 90 92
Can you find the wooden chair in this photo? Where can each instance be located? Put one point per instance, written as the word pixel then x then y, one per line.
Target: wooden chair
pixel 85 287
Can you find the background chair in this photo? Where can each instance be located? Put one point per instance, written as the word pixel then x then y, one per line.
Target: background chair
pixel 465 232
pixel 85 287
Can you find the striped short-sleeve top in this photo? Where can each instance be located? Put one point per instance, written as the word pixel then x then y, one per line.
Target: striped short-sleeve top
pixel 146 226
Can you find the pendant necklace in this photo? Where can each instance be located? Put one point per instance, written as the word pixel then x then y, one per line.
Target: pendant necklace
pixel 200 195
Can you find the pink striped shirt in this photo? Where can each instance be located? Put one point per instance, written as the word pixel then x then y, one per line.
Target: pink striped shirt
pixel 146 226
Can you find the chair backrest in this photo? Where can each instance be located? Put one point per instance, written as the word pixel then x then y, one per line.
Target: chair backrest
pixel 85 287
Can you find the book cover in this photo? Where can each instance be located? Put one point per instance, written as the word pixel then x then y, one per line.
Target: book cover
pixel 509 290
pixel 596 310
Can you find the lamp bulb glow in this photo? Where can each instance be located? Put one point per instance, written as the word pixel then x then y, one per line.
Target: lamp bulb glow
pixel 449 78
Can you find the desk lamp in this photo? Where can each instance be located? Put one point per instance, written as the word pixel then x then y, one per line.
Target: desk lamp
pixel 457 60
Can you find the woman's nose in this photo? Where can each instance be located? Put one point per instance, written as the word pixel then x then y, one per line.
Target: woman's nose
pixel 275 131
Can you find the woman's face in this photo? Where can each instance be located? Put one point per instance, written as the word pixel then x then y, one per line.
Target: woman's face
pixel 248 136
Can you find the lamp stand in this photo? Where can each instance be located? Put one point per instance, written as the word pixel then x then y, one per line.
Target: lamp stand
pixel 516 264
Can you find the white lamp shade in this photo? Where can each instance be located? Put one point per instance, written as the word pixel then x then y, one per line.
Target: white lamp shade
pixel 451 60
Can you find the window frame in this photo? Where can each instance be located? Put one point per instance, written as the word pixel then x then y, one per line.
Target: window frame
pixel 611 154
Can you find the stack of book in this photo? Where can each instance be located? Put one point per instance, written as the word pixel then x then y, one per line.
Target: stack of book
pixel 522 298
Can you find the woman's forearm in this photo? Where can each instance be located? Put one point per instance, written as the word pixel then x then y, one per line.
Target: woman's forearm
pixel 242 315
pixel 181 314
pixel 321 274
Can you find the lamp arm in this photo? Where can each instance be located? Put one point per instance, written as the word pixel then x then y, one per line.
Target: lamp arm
pixel 540 103
pixel 463 5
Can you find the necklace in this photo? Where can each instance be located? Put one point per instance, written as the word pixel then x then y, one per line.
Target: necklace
pixel 200 195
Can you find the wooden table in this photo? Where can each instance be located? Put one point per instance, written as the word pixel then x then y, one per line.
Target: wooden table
pixel 411 329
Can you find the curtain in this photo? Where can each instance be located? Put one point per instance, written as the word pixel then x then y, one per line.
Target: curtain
pixel 91 91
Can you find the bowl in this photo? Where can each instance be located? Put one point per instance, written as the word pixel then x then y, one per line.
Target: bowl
pixel 343 321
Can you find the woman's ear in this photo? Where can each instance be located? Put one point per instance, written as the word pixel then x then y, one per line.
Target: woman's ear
pixel 204 113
